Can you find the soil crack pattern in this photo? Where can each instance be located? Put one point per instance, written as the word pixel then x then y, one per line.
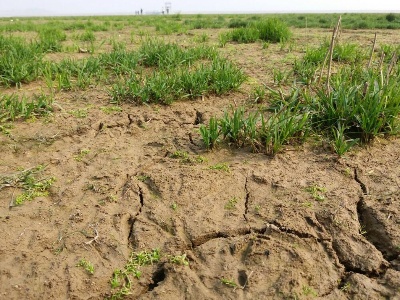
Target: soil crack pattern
pixel 302 235
pixel 368 223
pixel 246 203
pixel 362 184
pixel 132 220
pixel 265 231
pixel 375 231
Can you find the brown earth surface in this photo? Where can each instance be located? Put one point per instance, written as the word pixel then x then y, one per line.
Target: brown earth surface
pixel 119 189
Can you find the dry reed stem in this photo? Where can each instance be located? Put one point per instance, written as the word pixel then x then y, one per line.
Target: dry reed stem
pixel 332 45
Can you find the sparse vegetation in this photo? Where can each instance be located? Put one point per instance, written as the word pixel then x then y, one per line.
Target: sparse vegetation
pixel 121 281
pixel 30 182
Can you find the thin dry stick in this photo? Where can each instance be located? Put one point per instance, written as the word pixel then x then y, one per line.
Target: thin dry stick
pixel 372 52
pixel 334 34
pixel 247 280
pixel 328 76
pixel 94 239
pixel 380 66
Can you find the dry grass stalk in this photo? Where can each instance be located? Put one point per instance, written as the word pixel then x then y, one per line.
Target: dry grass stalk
pixel 332 45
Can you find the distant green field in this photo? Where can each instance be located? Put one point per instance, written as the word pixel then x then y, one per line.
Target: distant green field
pixel 181 23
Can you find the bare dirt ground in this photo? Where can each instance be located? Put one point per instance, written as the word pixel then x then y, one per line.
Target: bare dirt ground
pixel 119 189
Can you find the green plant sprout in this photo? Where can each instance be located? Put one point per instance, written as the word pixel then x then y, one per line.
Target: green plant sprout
pixel 87 265
pixel 82 154
pixel 231 203
pixel 179 260
pixel 309 291
pixel 317 192
pixel 174 206
pixel 229 282
pixel 346 287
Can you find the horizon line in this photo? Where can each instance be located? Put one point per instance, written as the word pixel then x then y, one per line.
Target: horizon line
pixel 11 14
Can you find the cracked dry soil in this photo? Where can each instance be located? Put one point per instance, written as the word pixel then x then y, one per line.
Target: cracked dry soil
pixel 256 225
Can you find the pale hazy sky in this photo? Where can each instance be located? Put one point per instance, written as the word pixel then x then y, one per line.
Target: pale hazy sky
pixel 108 7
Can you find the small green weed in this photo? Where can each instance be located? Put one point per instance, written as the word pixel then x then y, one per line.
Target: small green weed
pixel 87 265
pixel 317 192
pixel 362 230
pixel 231 204
pixel 221 167
pixel 309 291
pixel 340 144
pixel 122 278
pixel 142 177
pixel 82 154
pixel 80 113
pixel 229 282
pixel 111 109
pixel 179 260
pixel 174 206
pixel 346 287
pixel 182 155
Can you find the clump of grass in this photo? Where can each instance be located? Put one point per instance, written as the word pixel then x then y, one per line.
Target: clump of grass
pixel 87 36
pixel 13 107
pixel 210 134
pixel 360 107
pixel 50 39
pixel 20 62
pixel 154 52
pixel 355 104
pixel 269 30
pixel 262 132
pixel 217 77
